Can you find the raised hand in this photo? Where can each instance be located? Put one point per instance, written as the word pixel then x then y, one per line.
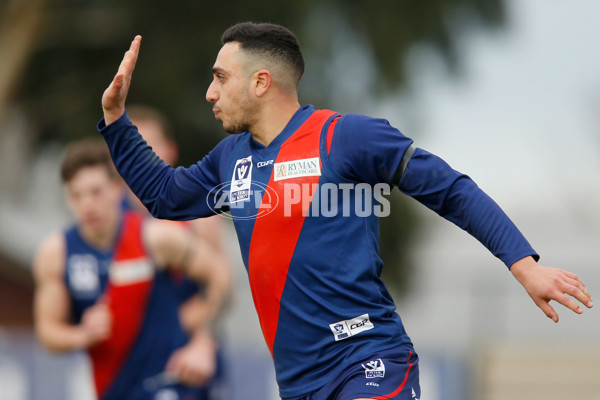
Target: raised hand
pixel 113 99
pixel 544 284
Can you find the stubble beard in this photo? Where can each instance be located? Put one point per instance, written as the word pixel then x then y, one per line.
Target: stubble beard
pixel 249 111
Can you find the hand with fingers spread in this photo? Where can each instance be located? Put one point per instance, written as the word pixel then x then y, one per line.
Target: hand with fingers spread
pixel 544 284
pixel 113 99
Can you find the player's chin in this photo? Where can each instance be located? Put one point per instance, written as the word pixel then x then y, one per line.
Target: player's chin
pixel 233 130
pixel 93 222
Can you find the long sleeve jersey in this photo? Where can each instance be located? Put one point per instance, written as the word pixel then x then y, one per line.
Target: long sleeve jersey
pixel 306 210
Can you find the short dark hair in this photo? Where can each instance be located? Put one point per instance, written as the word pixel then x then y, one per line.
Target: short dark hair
pixel 86 153
pixel 272 40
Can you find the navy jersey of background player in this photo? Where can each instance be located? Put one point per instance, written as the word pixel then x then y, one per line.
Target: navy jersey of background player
pixel 315 279
pixel 185 287
pixel 143 303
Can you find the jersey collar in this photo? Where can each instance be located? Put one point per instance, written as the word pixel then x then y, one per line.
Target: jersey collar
pixel 295 122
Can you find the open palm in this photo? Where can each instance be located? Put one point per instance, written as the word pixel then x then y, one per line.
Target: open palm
pixel 113 99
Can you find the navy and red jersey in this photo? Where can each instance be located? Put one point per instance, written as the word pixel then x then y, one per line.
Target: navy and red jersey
pixel 311 252
pixel 186 287
pixel 144 306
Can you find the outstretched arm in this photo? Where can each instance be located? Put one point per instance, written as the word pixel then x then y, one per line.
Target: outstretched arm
pixel 457 198
pixel 385 155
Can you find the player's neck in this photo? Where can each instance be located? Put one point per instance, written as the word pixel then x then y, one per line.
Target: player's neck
pixel 274 118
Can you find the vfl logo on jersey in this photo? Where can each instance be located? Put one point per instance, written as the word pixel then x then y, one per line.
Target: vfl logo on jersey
pixel 83 274
pixel 344 329
pixel 241 180
pixel 297 169
pixel 374 369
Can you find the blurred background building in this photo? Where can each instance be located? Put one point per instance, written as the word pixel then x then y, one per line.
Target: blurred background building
pixel 507 91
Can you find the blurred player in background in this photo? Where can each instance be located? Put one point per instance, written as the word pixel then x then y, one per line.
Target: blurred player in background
pixel 158 134
pixel 104 285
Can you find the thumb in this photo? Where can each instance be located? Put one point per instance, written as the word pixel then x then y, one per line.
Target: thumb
pixel 118 81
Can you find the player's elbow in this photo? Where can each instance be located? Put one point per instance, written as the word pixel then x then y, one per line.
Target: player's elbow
pixel 55 340
pixel 49 341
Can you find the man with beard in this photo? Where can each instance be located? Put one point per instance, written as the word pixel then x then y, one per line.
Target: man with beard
pixel 326 316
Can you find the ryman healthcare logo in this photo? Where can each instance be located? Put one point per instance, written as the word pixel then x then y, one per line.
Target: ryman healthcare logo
pixel 297 169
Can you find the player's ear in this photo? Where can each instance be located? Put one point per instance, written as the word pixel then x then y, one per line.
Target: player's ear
pixel 262 81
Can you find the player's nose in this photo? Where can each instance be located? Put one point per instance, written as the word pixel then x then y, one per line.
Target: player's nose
pixel 212 95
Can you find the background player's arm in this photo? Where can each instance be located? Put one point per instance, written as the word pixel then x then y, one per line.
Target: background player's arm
pixel 173 245
pixel 52 304
pixel 193 311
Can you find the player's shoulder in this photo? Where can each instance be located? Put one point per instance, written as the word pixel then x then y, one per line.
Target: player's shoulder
pixel 163 236
pixel 353 131
pixel 50 256
pixel 360 122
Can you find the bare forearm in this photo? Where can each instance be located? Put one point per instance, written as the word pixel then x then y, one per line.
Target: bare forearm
pixel 217 299
pixel 61 337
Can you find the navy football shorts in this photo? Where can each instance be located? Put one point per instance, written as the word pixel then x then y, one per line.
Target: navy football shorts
pixel 388 374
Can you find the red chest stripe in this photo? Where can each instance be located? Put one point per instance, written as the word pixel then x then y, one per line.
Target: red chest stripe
pixel 130 283
pixel 276 234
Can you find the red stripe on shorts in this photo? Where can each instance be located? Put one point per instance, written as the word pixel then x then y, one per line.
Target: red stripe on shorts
pixel 399 389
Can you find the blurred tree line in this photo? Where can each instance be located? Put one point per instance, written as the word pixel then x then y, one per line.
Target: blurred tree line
pixel 58 56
